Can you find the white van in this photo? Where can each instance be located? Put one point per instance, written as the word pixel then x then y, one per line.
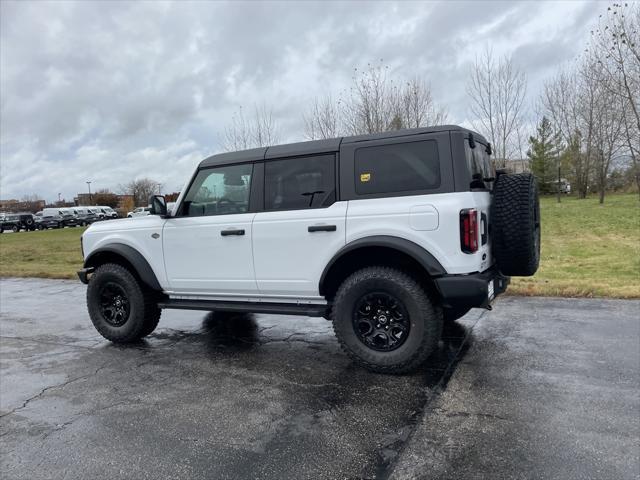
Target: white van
pixel 105 212
pixel 51 211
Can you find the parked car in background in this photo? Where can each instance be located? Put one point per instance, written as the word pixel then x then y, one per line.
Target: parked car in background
pixel 27 221
pixel 48 221
pixel 139 212
pixel 105 212
pixel 9 222
pixel 50 211
pixel 85 215
pixel 70 220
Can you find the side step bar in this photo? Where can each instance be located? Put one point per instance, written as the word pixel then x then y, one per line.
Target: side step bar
pixel 248 307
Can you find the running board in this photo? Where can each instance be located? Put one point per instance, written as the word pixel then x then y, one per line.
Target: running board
pixel 249 307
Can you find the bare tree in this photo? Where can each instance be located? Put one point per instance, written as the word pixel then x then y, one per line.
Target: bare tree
pixel 569 101
pixel 616 45
pixel 497 92
pixel 321 121
pixel 375 102
pixel 370 106
pixel 418 107
pixel 141 189
pixel 260 131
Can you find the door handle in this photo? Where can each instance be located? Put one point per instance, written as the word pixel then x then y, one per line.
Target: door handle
pixel 321 228
pixel 226 233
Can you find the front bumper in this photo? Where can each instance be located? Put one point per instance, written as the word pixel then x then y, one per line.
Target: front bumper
pixel 83 274
pixel 470 291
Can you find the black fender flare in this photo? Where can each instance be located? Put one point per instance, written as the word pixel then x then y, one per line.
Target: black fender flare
pixel 131 255
pixel 431 265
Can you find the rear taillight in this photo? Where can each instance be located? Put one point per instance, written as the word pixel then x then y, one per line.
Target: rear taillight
pixel 469 230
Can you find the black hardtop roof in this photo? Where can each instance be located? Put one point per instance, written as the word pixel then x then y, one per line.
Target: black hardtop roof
pixel 320 146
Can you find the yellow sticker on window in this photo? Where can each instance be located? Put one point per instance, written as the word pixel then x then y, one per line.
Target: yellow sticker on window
pixel 365 177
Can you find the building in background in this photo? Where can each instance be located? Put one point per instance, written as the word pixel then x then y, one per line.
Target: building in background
pixel 14 205
pixel 519 165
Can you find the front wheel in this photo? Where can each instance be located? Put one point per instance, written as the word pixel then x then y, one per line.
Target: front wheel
pixel 15 229
pixel 121 309
pixel 385 321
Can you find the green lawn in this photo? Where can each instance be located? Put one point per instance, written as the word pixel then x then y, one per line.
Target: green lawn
pixel 588 250
pixel 47 254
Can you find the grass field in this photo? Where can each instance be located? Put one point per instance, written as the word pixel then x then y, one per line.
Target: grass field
pixel 588 250
pixel 46 254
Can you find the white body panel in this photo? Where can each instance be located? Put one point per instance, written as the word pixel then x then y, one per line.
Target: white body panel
pixel 137 235
pixel 289 259
pixel 199 260
pixel 431 221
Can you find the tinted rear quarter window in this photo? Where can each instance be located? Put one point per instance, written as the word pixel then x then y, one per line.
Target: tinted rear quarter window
pixel 479 164
pixel 398 167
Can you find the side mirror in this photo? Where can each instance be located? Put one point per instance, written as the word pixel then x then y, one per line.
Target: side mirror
pixel 158 205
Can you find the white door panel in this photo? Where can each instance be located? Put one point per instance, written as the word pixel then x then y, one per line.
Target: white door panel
pixel 289 259
pixel 200 259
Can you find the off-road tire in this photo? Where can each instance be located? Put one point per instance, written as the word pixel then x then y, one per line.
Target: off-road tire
pixel 424 315
pixel 151 319
pixel 515 223
pixel 144 313
pixel 15 229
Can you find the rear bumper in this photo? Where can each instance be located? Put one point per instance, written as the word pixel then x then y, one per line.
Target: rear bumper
pixel 83 274
pixel 469 291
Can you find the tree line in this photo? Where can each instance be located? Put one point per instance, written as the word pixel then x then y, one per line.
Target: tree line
pixel 584 125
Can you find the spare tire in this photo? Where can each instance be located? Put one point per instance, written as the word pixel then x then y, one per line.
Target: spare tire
pixel 515 224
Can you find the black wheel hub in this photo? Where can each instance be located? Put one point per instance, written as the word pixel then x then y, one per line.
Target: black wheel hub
pixel 114 304
pixel 381 321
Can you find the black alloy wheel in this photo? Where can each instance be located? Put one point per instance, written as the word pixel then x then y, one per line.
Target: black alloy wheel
pixel 114 304
pixel 381 321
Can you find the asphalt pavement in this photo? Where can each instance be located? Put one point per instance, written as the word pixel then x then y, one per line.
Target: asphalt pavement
pixel 538 388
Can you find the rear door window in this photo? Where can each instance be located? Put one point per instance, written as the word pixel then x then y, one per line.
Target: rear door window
pixel 299 183
pixel 398 167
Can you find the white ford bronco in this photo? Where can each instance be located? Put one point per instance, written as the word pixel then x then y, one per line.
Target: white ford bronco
pixel 387 235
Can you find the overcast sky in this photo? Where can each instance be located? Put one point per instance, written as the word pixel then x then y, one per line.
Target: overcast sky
pixel 113 91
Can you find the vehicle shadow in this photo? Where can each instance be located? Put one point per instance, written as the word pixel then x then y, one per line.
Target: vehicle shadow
pixel 230 329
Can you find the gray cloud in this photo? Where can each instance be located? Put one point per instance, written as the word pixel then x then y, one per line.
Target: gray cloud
pixel 110 91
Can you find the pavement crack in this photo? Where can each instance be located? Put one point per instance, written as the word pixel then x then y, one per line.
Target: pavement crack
pixel 44 342
pixel 474 414
pixel 52 387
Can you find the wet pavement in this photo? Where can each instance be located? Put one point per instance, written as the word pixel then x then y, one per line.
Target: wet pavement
pixel 538 388
pixel 550 388
pixel 205 396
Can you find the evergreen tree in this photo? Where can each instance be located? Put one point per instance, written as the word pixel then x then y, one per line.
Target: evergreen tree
pixel 543 156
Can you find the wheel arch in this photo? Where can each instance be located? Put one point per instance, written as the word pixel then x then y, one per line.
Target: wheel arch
pixel 380 250
pixel 128 257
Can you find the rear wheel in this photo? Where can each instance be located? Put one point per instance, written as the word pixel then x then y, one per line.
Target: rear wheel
pixel 121 309
pixel 385 321
pixel 15 229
